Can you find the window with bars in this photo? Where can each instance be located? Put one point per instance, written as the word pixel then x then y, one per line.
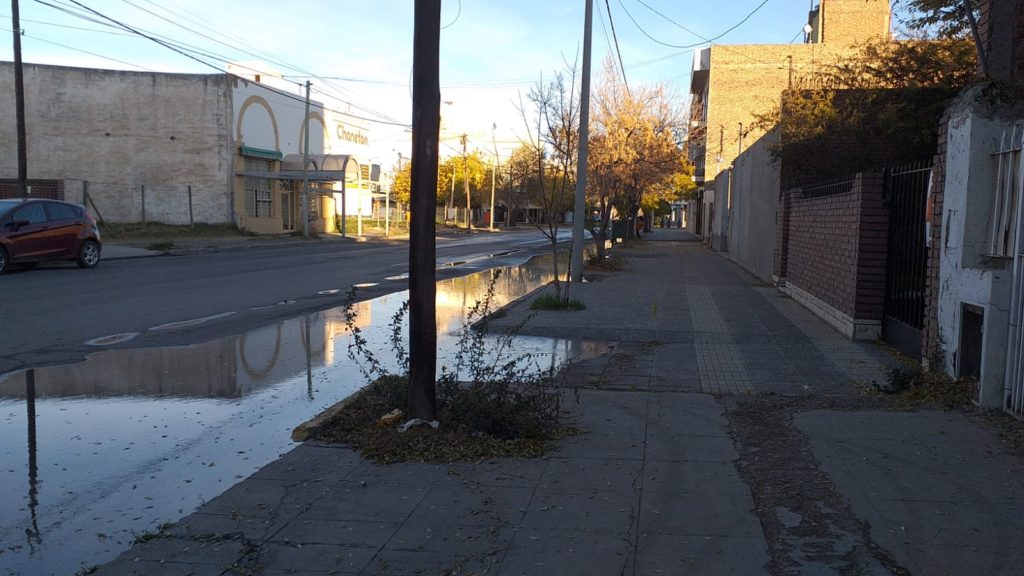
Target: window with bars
pixel 1008 183
pixel 259 202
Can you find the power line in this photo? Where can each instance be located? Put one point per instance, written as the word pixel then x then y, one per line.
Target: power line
pixel 37 39
pixel 712 40
pixel 616 39
pixel 194 52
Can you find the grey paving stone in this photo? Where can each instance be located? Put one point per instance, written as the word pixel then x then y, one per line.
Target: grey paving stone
pixel 256 528
pixel 218 553
pixel 567 551
pixel 410 472
pixel 700 555
pixel 429 562
pixel 959 560
pixel 150 568
pixel 311 461
pixel 709 478
pixel 463 540
pixel 344 533
pixel 379 502
pixel 265 498
pixel 612 512
pixel 691 448
pixel 667 511
pixel 590 474
pixel 278 558
pixel 481 506
pixel 512 472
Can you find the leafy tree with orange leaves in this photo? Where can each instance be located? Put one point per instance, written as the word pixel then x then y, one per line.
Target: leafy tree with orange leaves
pixel 635 155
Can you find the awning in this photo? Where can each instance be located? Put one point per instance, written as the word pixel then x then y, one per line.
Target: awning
pixel 260 153
pixel 321 168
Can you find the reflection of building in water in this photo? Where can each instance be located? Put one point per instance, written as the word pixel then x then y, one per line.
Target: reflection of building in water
pixel 457 295
pixel 225 368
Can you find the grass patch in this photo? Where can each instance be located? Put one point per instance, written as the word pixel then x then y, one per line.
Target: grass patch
pixel 489 402
pixel 114 231
pixel 162 246
pixel 610 263
pixel 552 302
pixel 478 422
pixel 912 386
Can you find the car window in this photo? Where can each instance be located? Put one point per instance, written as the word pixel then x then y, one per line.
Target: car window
pixel 60 211
pixel 34 213
pixel 6 205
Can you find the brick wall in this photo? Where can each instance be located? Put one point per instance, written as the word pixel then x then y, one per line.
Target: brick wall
pixel 837 247
pixel 780 267
pixel 931 345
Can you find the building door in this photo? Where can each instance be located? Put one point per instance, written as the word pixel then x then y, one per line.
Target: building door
pixel 288 210
pixel 906 194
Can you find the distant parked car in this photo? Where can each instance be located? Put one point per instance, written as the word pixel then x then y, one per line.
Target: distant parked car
pixel 34 230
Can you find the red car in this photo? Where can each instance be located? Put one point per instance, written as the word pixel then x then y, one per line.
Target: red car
pixel 33 230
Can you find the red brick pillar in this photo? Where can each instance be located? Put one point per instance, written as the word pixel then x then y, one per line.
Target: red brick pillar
pixel 931 344
pixel 872 245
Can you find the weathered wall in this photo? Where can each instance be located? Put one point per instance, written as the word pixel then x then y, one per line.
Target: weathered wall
pixel 121 131
pixel 752 212
pixel 965 275
pixel 837 253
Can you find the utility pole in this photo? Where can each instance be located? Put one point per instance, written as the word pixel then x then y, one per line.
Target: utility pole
pixel 494 170
pixel 305 170
pixel 465 183
pixel 580 209
pixel 426 120
pixel 19 102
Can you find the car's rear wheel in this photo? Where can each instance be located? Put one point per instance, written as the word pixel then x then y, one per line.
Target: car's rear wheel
pixel 4 262
pixel 88 254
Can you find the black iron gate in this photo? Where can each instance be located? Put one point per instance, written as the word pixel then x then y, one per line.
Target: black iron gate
pixel 906 194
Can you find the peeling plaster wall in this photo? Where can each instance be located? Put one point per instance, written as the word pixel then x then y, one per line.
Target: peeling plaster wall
pixel 965 275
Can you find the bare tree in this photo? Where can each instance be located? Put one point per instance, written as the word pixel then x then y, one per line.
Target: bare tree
pixel 553 140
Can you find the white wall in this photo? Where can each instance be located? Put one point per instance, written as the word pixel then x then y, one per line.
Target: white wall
pixel 965 275
pixel 272 119
pixel 755 199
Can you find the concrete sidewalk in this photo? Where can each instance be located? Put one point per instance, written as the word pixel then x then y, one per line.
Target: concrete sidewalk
pixel 726 433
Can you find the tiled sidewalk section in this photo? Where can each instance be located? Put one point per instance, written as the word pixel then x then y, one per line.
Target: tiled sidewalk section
pixel 684 319
pixel 649 490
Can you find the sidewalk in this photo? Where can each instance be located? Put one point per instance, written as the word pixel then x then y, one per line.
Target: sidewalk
pixel 725 434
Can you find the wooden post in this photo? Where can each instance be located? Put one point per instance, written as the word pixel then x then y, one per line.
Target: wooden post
pixel 426 120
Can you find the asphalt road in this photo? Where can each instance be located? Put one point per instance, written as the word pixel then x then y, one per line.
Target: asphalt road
pixel 50 313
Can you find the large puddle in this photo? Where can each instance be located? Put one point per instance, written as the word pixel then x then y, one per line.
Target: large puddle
pixel 95 453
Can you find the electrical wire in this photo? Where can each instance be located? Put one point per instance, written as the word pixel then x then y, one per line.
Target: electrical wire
pixel 37 39
pixel 616 39
pixel 197 54
pixel 712 40
pixel 456 19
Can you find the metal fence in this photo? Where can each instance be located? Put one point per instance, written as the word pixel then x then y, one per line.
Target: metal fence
pixel 905 189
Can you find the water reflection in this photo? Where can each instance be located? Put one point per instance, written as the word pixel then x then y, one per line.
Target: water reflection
pixel 130 439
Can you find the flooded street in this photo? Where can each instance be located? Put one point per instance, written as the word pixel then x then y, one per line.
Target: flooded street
pixel 96 454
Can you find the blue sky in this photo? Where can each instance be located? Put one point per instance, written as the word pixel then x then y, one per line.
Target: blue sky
pixel 492 51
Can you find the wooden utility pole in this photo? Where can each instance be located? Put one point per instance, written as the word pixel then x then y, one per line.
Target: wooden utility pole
pixel 465 182
pixel 19 102
pixel 580 206
pixel 426 122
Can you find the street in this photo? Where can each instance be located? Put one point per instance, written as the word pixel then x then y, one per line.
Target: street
pixel 51 312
